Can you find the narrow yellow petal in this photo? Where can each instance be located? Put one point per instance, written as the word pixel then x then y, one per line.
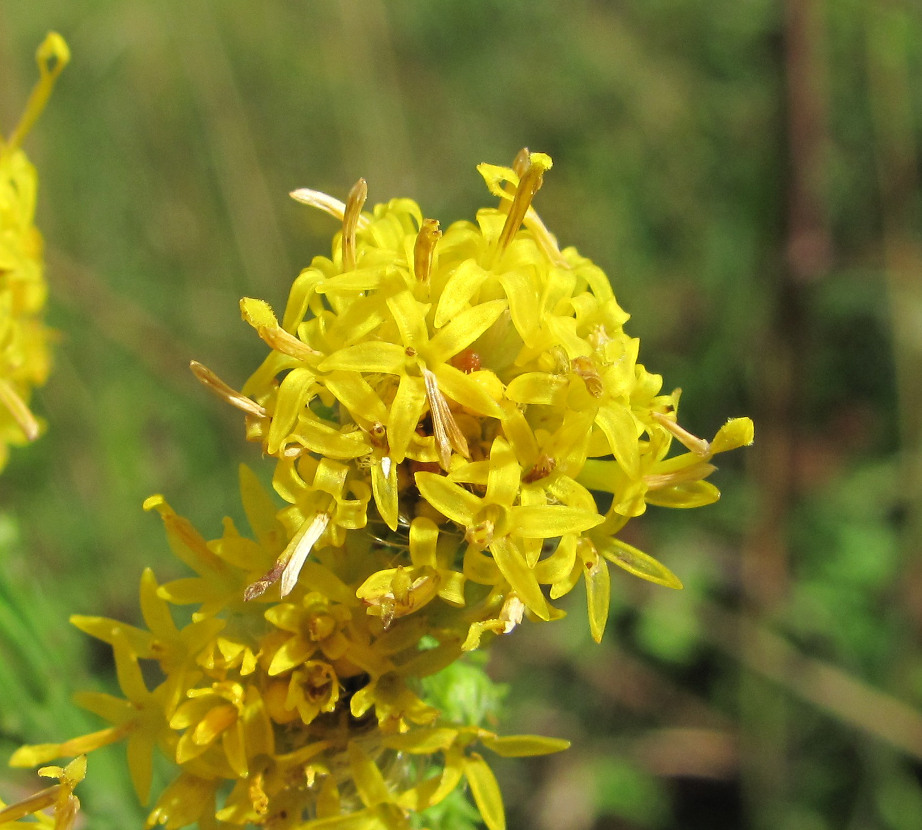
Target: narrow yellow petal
pixel 485 790
pixel 638 563
pixel 512 565
pixel 448 498
pixel 35 754
pixel 521 746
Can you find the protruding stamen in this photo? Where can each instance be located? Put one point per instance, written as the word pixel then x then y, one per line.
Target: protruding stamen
pixel 521 161
pixel 519 166
pixel 429 234
pixel 52 56
pixel 354 204
pixel 282 341
pixel 448 435
pixel 697 445
pixel 529 184
pixel 226 392
pixel 545 239
pixel 328 204
pixel 18 409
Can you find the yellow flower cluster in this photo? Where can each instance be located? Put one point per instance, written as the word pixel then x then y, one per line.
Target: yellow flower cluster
pixel 472 392
pixel 460 428
pixel 281 713
pixel 24 354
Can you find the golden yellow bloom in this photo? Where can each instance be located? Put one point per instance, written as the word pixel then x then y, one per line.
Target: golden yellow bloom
pixel 481 379
pixel 24 352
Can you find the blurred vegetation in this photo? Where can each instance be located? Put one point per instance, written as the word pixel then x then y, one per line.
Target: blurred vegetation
pixel 747 173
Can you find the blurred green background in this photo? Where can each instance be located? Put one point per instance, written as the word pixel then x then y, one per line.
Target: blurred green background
pixel 747 173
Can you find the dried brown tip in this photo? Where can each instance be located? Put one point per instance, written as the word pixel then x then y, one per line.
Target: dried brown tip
pixel 328 204
pixel 288 566
pixel 520 163
pixel 224 391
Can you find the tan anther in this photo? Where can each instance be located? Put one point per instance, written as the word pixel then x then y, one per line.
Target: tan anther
pixel 354 204
pixel 481 534
pixel 519 166
pixel 697 471
pixel 529 184
pixel 288 566
pixel 544 466
pixel 429 234
pixel 378 435
pixel 598 337
pixel 521 162
pixel 448 435
pixel 585 368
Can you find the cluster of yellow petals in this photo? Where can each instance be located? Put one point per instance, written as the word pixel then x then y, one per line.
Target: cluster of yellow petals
pixel 475 384
pixel 460 429
pixel 302 713
pixel 24 351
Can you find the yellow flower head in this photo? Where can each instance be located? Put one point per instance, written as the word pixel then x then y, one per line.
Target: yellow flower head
pixel 24 353
pixel 478 379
